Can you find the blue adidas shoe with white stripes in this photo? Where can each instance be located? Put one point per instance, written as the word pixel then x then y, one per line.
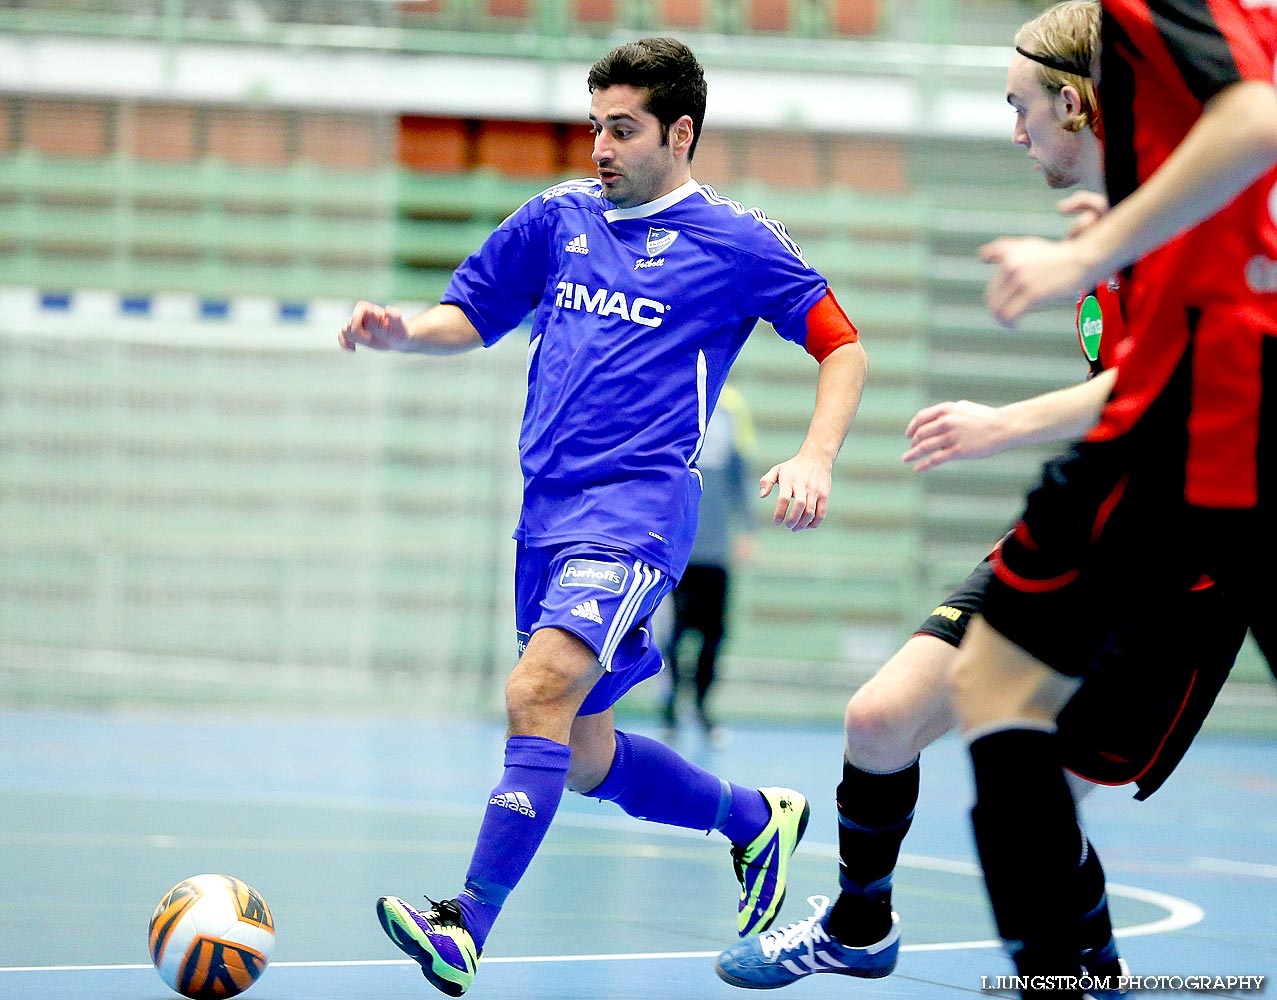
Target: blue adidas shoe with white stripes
pixel 783 956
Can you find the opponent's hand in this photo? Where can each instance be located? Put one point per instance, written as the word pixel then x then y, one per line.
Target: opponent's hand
pixel 1086 207
pixel 1030 272
pixel 803 487
pixel 378 327
pixel 949 431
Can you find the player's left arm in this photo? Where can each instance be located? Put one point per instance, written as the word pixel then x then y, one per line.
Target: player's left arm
pixel 804 482
pixel 1232 145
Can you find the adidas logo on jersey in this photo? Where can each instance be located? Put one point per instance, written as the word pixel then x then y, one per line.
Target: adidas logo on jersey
pixel 577 245
pixel 589 610
pixel 515 802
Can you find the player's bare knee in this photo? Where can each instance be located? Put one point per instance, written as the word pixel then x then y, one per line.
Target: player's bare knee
pixel 878 737
pixel 867 725
pixel 539 699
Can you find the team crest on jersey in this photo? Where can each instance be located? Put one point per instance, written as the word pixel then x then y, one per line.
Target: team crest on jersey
pixel 660 240
pixel 1090 327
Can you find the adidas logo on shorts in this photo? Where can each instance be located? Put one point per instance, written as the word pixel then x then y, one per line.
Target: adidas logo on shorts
pixel 577 245
pixel 589 610
pixel 515 802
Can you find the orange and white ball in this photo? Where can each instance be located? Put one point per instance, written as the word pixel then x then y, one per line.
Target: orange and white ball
pixel 211 936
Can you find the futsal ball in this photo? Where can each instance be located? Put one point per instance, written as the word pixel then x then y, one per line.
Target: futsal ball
pixel 211 936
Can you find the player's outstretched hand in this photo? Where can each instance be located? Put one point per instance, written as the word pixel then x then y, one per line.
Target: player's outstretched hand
pixel 954 430
pixel 1030 272
pixel 802 496
pixel 378 327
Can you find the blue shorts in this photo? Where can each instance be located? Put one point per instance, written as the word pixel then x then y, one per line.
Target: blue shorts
pixel 605 597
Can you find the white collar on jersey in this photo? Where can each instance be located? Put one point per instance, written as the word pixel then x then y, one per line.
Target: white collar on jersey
pixel 653 207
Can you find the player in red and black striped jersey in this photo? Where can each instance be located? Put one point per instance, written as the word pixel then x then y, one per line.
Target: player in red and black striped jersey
pixel 1131 724
pixel 1177 478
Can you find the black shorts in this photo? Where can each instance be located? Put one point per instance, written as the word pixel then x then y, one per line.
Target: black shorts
pixel 1134 717
pixel 1108 538
pixel 1137 713
pixel 951 617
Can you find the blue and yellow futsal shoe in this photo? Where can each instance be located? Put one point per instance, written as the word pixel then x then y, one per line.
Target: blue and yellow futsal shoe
pixel 762 865
pixel 437 940
pixel 783 956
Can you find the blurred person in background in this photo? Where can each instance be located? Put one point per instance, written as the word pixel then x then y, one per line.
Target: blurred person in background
pixel 726 538
pixel 643 286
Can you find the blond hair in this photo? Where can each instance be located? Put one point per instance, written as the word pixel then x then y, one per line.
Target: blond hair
pixel 1069 33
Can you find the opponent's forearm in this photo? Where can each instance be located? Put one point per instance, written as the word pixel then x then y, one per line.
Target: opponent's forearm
pixel 1233 143
pixel 1056 416
pixel 838 388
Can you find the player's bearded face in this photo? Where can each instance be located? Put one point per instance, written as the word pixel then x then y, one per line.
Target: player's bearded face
pixel 635 160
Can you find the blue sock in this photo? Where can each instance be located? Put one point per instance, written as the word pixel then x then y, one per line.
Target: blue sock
pixel 650 781
pixel 519 812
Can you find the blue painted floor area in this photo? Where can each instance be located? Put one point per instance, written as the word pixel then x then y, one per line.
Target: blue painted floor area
pixel 101 813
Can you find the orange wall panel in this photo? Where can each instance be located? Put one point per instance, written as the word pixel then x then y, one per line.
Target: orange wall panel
pixel 161 132
pixel 769 15
pixel 869 164
pixel 436 145
pixel 784 159
pixel 343 141
pixel 715 162
pixel 518 149
pixel 596 11
pixel 578 150
pixel 508 8
pixel 66 128
pixel 856 17
pixel 683 13
pixel 254 138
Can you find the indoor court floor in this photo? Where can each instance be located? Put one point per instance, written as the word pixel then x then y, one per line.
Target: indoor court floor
pixel 100 813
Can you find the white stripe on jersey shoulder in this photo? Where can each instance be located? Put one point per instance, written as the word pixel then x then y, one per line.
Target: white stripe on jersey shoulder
pixel 776 228
pixel 653 207
pixel 583 185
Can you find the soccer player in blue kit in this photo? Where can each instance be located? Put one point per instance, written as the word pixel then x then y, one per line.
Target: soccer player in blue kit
pixel 644 286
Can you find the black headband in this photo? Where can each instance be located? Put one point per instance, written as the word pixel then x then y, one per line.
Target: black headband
pixel 1056 63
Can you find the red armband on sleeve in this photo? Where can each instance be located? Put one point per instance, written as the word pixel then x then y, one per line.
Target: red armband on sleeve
pixel 828 327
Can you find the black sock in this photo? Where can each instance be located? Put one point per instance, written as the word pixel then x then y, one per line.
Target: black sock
pixel 1029 843
pixel 874 814
pixel 1099 949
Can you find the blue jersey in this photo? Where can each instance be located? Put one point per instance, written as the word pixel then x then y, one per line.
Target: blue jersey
pixel 639 314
